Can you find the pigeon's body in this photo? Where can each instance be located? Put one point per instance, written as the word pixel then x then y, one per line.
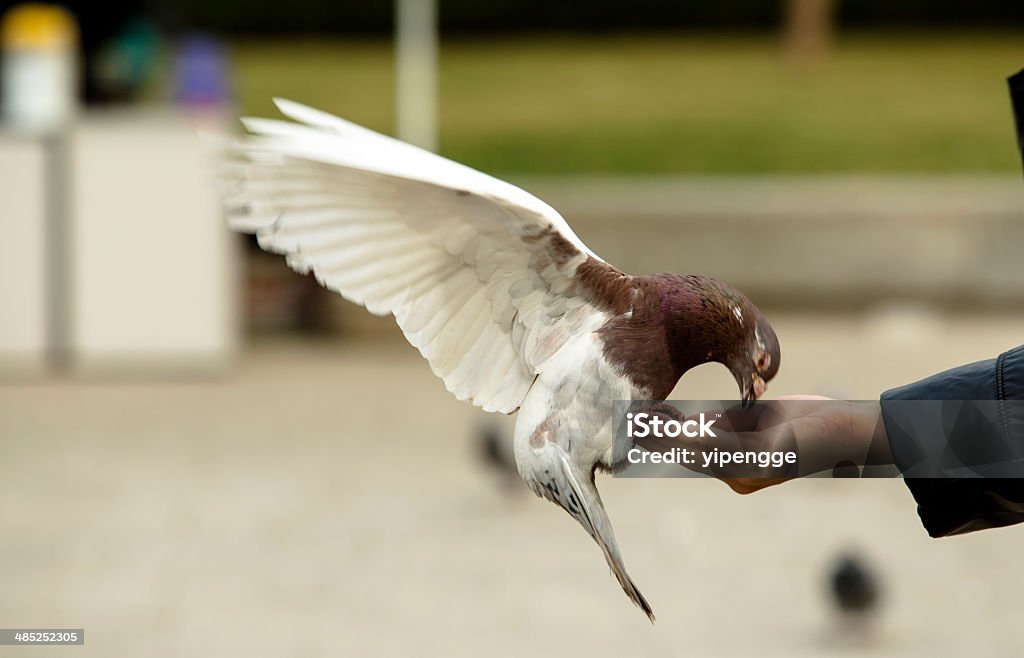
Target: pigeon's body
pixel 510 308
pixel 564 433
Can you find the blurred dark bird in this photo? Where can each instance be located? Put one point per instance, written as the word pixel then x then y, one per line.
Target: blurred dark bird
pixel 496 458
pixel 854 589
pixel 509 307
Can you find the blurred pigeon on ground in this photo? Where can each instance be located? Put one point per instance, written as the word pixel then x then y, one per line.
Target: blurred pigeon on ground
pixel 496 457
pixel 492 286
pixel 854 590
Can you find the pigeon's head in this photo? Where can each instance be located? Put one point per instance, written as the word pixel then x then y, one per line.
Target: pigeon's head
pixel 756 357
pixel 716 322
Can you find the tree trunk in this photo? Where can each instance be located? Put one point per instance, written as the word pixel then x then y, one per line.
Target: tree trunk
pixel 808 30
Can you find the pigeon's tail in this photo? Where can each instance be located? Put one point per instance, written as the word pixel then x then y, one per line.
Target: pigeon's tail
pixel 579 496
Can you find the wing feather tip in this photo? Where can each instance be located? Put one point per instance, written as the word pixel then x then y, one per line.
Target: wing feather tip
pixel 288 107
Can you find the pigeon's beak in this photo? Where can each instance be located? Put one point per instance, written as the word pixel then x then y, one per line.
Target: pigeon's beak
pixel 753 390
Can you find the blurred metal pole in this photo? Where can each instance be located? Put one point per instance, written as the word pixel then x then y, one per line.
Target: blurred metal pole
pixel 39 98
pixel 416 74
pixel 59 236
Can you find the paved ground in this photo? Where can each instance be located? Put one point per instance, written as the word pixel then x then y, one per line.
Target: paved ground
pixel 324 501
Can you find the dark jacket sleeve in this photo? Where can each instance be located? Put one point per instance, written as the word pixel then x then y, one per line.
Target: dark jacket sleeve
pixel 1016 82
pixel 958 439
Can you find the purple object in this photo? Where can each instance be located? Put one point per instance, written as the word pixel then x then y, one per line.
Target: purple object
pixel 200 72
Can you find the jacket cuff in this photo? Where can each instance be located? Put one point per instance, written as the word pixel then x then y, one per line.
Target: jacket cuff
pixel 960 448
pixel 918 430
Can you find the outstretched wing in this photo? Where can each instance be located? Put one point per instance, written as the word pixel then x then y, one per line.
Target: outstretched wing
pixel 486 280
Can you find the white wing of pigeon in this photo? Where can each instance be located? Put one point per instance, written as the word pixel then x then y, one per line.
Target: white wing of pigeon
pixel 480 275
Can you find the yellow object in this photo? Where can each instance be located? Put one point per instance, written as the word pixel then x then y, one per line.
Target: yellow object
pixel 36 26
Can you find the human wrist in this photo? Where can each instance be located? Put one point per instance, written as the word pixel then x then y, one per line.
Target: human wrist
pixel 870 427
pixel 857 436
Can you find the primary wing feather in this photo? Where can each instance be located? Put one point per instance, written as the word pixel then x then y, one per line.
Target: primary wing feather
pixel 486 280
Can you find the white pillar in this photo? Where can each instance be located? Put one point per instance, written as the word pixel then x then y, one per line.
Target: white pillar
pixel 416 72
pixel 24 278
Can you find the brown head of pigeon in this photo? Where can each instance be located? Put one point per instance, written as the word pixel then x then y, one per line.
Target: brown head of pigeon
pixel 489 283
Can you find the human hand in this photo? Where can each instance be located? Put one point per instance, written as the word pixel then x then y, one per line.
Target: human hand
pixel 823 433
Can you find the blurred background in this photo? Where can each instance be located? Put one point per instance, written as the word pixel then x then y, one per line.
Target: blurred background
pixel 203 453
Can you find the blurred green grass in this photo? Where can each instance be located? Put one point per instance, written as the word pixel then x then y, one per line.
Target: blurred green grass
pixel 667 104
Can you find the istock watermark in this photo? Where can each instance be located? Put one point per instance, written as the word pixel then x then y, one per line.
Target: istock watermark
pixel 658 425
pixel 642 425
pixel 784 439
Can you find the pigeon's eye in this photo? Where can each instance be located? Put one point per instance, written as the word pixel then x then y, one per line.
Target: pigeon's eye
pixel 763 361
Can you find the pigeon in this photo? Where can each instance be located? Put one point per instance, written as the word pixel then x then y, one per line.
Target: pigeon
pixel 493 454
pixel 508 306
pixel 854 587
